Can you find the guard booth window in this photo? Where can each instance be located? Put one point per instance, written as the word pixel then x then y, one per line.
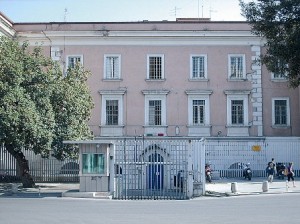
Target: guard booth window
pixel 92 163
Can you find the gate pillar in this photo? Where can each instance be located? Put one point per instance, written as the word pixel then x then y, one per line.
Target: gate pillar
pixel 190 185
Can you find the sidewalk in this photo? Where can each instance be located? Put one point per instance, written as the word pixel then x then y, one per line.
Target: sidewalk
pixel 42 190
pixel 219 188
pixel 239 186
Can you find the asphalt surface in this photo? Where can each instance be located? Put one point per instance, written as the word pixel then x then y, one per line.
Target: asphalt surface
pixel 218 188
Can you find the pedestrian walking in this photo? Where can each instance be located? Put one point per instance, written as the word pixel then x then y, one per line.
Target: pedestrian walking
pixel 271 170
pixel 291 174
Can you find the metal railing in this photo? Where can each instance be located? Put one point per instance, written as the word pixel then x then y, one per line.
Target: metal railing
pixel 228 156
pixel 41 169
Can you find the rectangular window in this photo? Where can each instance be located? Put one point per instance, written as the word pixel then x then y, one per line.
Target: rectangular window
pixel 112 112
pixel 73 60
pixel 281 115
pixel 92 163
pixel 198 112
pixel 198 67
pixel 155 67
pixel 279 76
pixel 154 112
pixel 280 71
pixel 112 67
pixel 55 53
pixel 236 66
pixel 237 112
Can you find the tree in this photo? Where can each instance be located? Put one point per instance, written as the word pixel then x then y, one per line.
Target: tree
pixel 39 105
pixel 278 21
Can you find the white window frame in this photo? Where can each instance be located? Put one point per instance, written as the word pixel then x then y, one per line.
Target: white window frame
pixel 288 119
pixel 112 115
pixel 230 77
pixel 120 108
pixel 191 98
pixel 117 76
pixel 244 98
pixel 191 66
pixel 154 118
pixel 278 76
pixel 55 53
pixel 163 99
pixel 73 56
pixel 162 66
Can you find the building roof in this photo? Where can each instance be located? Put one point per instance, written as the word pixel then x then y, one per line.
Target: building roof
pixel 6 26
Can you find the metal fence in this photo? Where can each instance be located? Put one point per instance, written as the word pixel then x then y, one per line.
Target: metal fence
pixel 228 156
pixel 151 169
pixel 41 169
pixel 165 168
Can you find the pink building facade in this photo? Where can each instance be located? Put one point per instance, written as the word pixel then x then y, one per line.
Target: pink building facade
pixel 195 85
pixel 181 78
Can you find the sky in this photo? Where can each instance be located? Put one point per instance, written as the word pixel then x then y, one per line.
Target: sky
pixel 119 10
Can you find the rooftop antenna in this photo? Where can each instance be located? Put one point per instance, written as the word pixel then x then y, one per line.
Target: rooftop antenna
pixel 211 11
pixel 199 9
pixel 64 49
pixel 65 15
pixel 174 11
pixel 202 9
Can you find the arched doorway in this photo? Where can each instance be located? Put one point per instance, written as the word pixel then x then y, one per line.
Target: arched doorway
pixel 155 171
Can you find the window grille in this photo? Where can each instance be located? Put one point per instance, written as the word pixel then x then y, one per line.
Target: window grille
pixel 155 68
pixel 237 112
pixel 112 112
pixel 154 112
pixel 198 67
pixel 236 67
pixel 198 112
pixel 73 60
pixel 280 112
pixel 279 70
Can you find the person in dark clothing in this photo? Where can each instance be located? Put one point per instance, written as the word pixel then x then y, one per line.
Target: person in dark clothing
pixel 271 170
pixel 290 174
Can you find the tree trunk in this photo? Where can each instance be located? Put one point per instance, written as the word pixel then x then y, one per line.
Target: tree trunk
pixel 23 166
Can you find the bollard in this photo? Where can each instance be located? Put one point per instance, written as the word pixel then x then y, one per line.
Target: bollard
pixel 234 187
pixel 14 188
pixel 265 186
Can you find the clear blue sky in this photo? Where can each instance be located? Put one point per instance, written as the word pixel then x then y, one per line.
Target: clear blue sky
pixel 118 10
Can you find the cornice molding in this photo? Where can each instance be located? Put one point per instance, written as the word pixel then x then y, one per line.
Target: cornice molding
pixel 198 92
pixel 112 92
pixel 143 41
pixel 237 92
pixel 155 92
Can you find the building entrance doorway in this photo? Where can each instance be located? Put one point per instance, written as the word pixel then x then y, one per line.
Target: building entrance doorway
pixel 155 172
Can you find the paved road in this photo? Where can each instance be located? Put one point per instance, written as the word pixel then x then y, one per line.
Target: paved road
pixel 45 205
pixel 272 208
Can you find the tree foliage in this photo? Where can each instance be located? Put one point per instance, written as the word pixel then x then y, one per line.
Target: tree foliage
pixel 40 107
pixel 278 21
